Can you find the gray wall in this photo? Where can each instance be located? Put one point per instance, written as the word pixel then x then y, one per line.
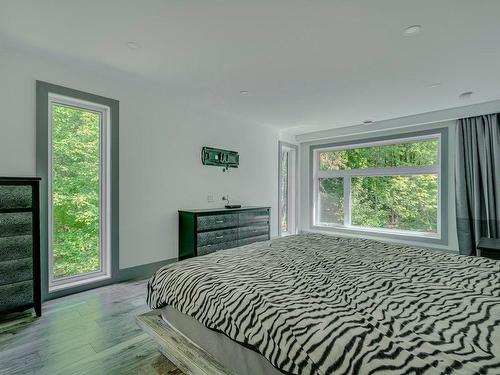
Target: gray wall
pixel 160 145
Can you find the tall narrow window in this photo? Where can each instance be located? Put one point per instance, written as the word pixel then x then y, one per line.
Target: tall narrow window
pixel 287 189
pixel 79 250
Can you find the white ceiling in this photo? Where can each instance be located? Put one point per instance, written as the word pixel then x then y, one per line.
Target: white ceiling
pixel 307 64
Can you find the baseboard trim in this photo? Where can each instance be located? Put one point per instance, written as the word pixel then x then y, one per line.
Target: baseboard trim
pixel 143 271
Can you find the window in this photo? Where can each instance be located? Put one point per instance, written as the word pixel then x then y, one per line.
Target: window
pixel 287 189
pixel 78 186
pixel 391 186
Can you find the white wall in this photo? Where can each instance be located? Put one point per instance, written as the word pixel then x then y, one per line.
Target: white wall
pixel 305 181
pixel 161 136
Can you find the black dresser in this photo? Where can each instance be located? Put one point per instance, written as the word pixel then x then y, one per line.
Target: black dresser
pixel 205 231
pixel 19 245
pixel 489 248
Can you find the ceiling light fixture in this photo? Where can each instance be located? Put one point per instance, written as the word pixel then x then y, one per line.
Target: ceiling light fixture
pixel 133 45
pixel 412 30
pixel 465 95
pixel 244 92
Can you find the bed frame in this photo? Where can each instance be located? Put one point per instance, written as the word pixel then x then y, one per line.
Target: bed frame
pixel 181 351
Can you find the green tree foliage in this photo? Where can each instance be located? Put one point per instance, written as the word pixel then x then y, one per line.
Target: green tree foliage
pixel 332 200
pixel 394 202
pixel 395 155
pixel 76 180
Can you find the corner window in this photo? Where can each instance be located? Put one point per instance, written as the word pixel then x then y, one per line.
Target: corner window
pixel 391 186
pixel 287 189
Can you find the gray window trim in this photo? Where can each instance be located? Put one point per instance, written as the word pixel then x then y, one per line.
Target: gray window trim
pixel 42 97
pixel 443 240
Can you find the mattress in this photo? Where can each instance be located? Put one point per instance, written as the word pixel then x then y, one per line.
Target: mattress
pixel 317 304
pixel 238 358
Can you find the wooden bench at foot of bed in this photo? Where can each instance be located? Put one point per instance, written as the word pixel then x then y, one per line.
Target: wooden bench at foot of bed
pixel 181 351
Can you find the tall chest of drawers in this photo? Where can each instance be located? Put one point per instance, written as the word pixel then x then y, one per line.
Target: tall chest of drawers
pixel 206 231
pixel 19 245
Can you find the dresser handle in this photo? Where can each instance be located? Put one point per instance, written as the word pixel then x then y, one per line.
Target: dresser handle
pixel 219 221
pixel 219 237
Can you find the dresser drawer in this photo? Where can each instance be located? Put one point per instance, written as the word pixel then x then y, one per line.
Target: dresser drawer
pixel 15 295
pixel 490 253
pixel 249 240
pixel 16 247
pixel 217 221
pixel 15 224
pixel 253 230
pixel 13 271
pixel 217 236
pixel 247 217
pixel 203 250
pixel 15 196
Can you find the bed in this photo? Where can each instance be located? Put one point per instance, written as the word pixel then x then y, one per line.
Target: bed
pixel 318 304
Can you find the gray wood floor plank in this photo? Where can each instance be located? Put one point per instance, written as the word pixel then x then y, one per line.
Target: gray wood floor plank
pixel 94 332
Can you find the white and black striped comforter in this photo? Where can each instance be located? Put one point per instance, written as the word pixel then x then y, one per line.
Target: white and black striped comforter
pixel 317 304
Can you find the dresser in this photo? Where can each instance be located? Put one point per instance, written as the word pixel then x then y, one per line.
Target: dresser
pixel 19 245
pixel 489 248
pixel 207 230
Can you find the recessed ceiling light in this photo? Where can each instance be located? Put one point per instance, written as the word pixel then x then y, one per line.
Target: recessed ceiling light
pixel 367 121
pixel 434 85
pixel 412 30
pixel 133 45
pixel 244 92
pixel 466 95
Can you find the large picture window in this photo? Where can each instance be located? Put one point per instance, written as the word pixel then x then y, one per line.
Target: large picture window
pixel 391 186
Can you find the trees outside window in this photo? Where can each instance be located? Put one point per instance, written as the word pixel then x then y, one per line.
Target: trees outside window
pixel 79 188
pixel 75 189
pixel 389 186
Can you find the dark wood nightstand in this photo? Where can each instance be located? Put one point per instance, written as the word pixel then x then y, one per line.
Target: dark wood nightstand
pixel 489 248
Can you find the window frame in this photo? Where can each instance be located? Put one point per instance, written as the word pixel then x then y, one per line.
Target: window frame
pixel 43 90
pixel 104 193
pixel 441 169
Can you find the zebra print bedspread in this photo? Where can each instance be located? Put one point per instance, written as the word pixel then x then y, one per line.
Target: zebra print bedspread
pixel 317 304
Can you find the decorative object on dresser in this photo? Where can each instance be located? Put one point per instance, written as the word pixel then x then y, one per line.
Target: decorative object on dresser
pixel 20 245
pixel 489 248
pixel 229 205
pixel 204 231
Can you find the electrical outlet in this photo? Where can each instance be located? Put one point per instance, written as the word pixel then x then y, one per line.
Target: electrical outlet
pixel 210 198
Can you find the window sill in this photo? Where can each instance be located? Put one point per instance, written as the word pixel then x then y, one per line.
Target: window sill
pixel 399 234
pixel 76 281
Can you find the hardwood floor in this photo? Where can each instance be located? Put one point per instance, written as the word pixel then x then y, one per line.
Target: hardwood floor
pixel 93 332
